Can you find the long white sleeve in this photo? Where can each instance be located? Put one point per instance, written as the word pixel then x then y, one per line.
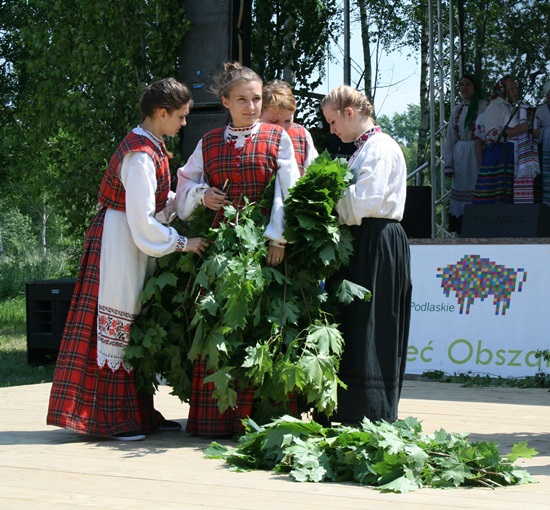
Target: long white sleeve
pixel 497 115
pixel 137 173
pixel 311 151
pixel 450 141
pixel 191 184
pixel 287 175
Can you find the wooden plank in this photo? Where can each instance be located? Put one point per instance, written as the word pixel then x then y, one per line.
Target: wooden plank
pixel 44 467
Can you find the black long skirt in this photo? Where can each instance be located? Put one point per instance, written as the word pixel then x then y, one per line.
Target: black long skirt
pixel 376 332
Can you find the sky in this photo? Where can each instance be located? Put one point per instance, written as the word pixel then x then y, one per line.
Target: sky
pixel 399 76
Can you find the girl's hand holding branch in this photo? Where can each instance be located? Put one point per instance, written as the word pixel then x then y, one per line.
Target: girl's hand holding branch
pixel 215 199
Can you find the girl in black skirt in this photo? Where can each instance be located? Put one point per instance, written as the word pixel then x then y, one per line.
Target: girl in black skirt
pixel 375 332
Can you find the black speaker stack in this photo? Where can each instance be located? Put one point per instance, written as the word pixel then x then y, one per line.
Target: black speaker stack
pixel 417 218
pixel 219 33
pixel 48 303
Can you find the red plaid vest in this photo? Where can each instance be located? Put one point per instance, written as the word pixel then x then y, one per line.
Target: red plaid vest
pixel 299 141
pixel 243 172
pixel 111 190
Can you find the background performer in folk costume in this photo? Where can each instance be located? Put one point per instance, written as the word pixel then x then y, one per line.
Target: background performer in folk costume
pixel 278 107
pixel 460 155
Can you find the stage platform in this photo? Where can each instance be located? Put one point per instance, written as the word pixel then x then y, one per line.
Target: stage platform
pixel 43 467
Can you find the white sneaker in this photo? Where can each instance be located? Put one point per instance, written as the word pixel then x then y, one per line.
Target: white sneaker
pixel 134 435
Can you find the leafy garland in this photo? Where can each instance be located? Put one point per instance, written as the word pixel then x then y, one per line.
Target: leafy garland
pixel 255 326
pixel 396 457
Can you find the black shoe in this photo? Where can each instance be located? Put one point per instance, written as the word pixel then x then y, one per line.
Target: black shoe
pixel 354 424
pixel 169 426
pixel 133 435
pixel 322 419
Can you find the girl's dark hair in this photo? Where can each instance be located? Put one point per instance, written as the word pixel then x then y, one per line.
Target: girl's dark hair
pixel 167 93
pixel 233 73
pixel 471 113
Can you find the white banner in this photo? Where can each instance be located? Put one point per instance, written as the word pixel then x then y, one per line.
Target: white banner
pixel 479 308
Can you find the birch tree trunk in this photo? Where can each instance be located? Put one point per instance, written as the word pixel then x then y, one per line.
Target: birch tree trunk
pixel 367 59
pixel 44 223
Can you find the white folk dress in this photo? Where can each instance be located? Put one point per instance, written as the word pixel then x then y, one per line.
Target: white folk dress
pixel 460 158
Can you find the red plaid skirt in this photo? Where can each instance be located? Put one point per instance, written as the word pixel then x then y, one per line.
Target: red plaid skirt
pixel 84 397
pixel 205 418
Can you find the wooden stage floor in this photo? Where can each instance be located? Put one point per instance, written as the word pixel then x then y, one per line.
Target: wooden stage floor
pixel 43 467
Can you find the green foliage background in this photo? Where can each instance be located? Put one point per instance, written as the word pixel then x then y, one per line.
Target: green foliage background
pixel 73 78
pixel 72 74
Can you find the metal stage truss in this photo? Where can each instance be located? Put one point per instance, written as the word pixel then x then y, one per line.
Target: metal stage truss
pixel 444 65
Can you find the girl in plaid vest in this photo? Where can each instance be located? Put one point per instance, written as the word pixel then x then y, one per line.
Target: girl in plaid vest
pixel 94 390
pixel 228 164
pixel 278 107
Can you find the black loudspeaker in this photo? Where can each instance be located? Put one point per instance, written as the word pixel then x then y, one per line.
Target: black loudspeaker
pixel 48 304
pixel 417 218
pixel 220 32
pixel 198 123
pixel 506 220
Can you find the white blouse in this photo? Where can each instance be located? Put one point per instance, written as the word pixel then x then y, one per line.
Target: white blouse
pixel 456 123
pixel 138 175
pixel 380 183
pixel 496 117
pixel 311 151
pixel 192 180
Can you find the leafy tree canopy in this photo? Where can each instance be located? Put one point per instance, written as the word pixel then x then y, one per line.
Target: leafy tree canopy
pixel 74 77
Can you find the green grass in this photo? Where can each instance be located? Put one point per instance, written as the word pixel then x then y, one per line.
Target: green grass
pixel 14 369
pixel 16 271
pixel 540 380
